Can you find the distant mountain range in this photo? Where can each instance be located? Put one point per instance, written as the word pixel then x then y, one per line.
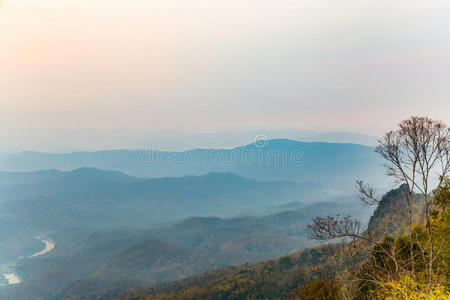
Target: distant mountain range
pixel 69 140
pixel 331 165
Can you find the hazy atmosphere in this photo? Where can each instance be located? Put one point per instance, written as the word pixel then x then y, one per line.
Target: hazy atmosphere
pixel 207 66
pixel 224 150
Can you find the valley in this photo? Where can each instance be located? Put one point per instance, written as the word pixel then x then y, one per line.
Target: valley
pixel 12 278
pixel 108 233
pixel 114 231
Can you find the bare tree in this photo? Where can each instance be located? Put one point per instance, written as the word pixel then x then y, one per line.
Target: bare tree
pixel 348 230
pixel 330 228
pixel 416 154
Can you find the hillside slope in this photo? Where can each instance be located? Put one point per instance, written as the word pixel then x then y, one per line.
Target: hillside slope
pixel 108 262
pixel 37 202
pixel 275 278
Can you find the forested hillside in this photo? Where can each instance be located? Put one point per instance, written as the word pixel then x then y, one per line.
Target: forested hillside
pixel 276 278
pixel 107 262
pixel 297 276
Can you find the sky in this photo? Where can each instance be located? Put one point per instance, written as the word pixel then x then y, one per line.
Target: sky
pixel 210 65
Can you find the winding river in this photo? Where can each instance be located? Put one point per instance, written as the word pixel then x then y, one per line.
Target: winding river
pixel 13 278
pixel 49 245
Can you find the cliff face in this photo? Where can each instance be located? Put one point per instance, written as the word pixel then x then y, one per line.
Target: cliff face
pixel 387 218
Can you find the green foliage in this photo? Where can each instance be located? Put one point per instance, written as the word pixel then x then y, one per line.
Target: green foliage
pixel 407 288
pixel 387 273
pixel 317 290
pixel 440 223
pixel 388 260
pixel 286 263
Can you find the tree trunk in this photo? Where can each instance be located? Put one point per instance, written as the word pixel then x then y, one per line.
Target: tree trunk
pixel 430 237
pixel 411 244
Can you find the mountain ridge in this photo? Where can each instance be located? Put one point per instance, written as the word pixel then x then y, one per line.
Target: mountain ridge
pixel 332 164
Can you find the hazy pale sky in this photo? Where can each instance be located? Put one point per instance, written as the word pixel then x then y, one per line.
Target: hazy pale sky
pixel 206 65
